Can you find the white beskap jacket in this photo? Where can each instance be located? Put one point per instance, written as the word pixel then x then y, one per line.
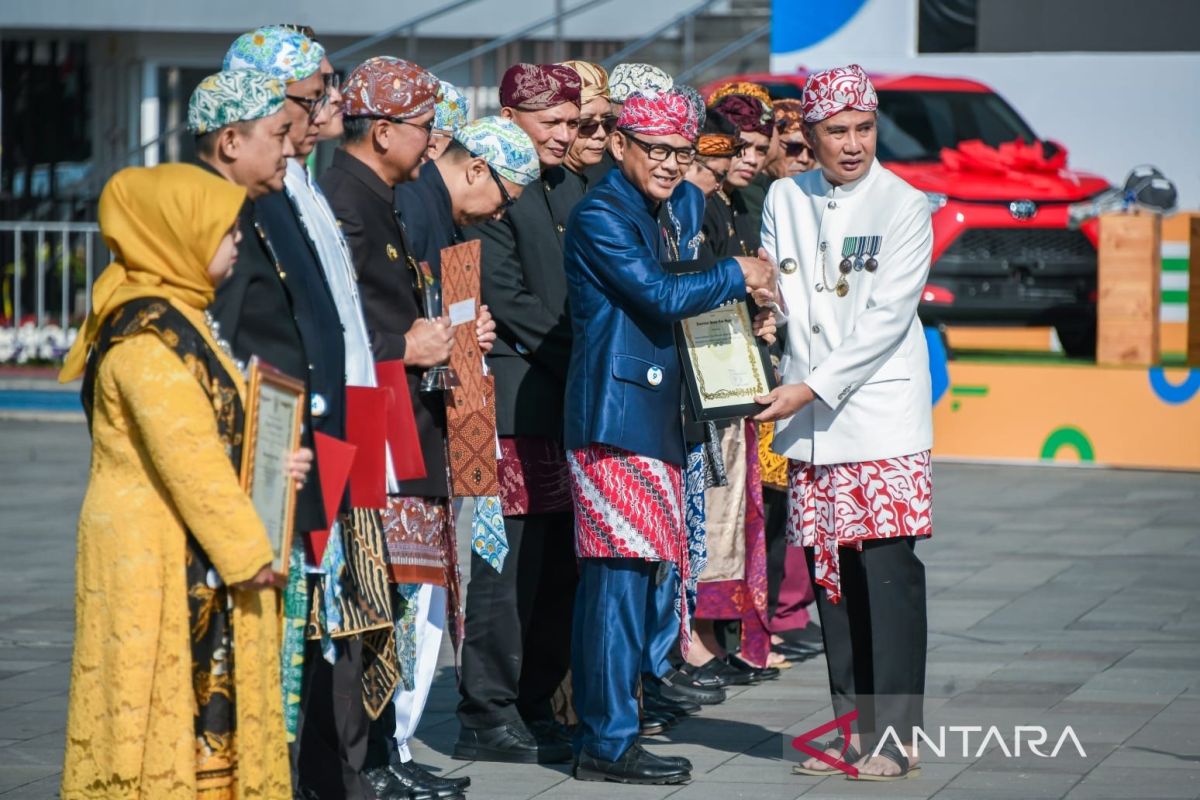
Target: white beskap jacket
pixel 864 354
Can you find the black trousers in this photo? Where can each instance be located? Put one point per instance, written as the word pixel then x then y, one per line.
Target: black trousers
pixel 333 723
pixel 775 508
pixel 876 637
pixel 518 624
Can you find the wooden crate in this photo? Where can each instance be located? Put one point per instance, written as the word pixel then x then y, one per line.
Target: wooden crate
pixel 1128 306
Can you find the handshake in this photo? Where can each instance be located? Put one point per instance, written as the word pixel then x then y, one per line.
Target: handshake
pixel 761 276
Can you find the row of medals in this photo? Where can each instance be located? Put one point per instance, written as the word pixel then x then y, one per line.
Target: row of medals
pixel 858 254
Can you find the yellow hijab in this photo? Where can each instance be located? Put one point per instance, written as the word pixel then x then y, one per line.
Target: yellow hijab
pixel 163 225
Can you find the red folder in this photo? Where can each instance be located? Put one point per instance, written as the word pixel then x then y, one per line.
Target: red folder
pixel 366 423
pixel 402 436
pixel 334 458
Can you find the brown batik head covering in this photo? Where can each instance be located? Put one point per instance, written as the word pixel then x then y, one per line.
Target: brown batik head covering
pixel 593 79
pixel 750 114
pixel 534 87
pixel 789 115
pixel 740 87
pixel 384 86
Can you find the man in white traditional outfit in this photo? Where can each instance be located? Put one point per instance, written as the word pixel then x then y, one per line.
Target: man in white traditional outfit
pixel 853 243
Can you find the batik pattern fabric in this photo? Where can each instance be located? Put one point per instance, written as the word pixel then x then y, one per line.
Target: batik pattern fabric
pixel 488 539
pixel 287 55
pixel 295 618
pixel 774 467
pixel 631 506
pixel 238 95
pixel 749 113
pixel 843 505
pixel 695 100
pixel 593 80
pixel 789 115
pixel 745 598
pixel 696 478
pixel 625 79
pixel 661 114
pixel 755 90
pixel 451 109
pixel 534 477
pixel 835 90
pixel 406 633
pixel 389 87
pixel 504 146
pixel 535 87
pixel 417 535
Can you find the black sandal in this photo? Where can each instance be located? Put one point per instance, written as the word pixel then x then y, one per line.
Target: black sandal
pixel 892 753
pixel 851 756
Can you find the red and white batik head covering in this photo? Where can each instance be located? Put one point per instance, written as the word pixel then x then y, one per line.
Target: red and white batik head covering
pixel 664 114
pixel 835 90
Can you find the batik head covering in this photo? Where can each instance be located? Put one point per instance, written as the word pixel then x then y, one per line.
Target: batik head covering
pixel 239 95
pixel 749 113
pixel 660 114
pixel 718 137
pixel 503 145
pixel 452 108
pixel 789 115
pixel 835 90
pixel 593 80
pixel 629 78
pixel 693 97
pixel 279 52
pixel 534 87
pixel 740 87
pixel 162 225
pixel 384 86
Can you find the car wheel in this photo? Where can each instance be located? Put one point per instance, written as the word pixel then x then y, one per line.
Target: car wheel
pixel 1078 336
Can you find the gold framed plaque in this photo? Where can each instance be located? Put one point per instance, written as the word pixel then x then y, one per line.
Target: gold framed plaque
pixel 725 365
pixel 274 414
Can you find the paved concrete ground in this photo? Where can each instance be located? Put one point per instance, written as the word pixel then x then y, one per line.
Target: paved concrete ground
pixel 1059 597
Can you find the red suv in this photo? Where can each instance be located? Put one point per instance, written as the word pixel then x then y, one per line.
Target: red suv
pixel 1003 251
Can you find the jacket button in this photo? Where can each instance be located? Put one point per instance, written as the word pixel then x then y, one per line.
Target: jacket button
pixel 824 245
pixel 654 376
pixel 318 405
pixel 560 227
pixel 816 328
pixel 833 203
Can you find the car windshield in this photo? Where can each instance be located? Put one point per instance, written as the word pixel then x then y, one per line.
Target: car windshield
pixel 915 126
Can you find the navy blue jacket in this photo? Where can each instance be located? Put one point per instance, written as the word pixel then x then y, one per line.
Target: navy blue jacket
pixel 623 385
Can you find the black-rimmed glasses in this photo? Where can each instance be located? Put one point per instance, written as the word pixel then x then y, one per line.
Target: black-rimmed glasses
pixel 506 199
pixel 720 176
pixel 661 152
pixel 794 149
pixel 312 105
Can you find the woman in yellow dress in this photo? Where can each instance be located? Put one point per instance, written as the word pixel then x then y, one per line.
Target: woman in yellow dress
pixel 175 678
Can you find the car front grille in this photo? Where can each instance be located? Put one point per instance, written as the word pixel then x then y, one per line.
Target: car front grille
pixel 1046 250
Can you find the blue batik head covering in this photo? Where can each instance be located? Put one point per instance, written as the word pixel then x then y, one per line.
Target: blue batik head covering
pixel 452 109
pixel 236 95
pixel 504 146
pixel 695 99
pixel 279 52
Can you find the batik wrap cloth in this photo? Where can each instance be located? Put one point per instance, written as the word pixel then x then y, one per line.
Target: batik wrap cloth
pixel 593 80
pixel 662 114
pixel 789 115
pixel 534 477
pixel 755 90
pixel 504 146
pixel 536 87
pixel 836 90
pixel 389 87
pixel 239 95
pixel 844 505
pixel 750 114
pixel 451 109
pixel 279 52
pixel 625 79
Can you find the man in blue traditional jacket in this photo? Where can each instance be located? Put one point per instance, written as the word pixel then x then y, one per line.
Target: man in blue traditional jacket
pixel 624 434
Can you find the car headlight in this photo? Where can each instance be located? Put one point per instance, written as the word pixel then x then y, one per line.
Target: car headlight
pixel 937 201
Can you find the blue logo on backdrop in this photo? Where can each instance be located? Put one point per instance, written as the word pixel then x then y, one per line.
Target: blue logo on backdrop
pixel 797 24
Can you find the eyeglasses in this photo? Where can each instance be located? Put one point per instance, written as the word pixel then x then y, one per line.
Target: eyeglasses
pixel 720 176
pixel 588 127
pixel 661 152
pixel 312 105
pixel 426 129
pixel 506 199
pixel 794 149
pixel 332 81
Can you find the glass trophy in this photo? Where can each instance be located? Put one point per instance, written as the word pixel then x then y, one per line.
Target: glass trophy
pixel 441 377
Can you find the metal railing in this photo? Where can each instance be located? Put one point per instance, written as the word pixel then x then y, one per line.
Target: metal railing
pixel 725 52
pixel 684 18
pixel 49 265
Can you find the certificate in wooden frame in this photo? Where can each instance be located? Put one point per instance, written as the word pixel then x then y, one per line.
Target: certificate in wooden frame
pixel 725 366
pixel 274 414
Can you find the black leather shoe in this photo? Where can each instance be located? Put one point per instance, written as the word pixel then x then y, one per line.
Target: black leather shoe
pixel 441 788
pixel 655 724
pixel 678 761
pixel 511 744
pixel 810 635
pixel 677 685
pixel 387 785
pixel 797 653
pixel 553 741
pixel 634 766
pixel 654 700
pixel 725 672
pixel 756 673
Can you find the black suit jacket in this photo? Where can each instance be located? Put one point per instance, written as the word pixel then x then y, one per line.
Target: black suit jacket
pixel 427 213
pixel 254 309
pixel 525 287
pixel 384 263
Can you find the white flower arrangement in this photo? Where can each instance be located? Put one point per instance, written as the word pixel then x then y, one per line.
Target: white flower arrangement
pixel 48 343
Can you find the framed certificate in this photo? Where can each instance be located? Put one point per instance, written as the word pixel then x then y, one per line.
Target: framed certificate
pixel 274 414
pixel 725 365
